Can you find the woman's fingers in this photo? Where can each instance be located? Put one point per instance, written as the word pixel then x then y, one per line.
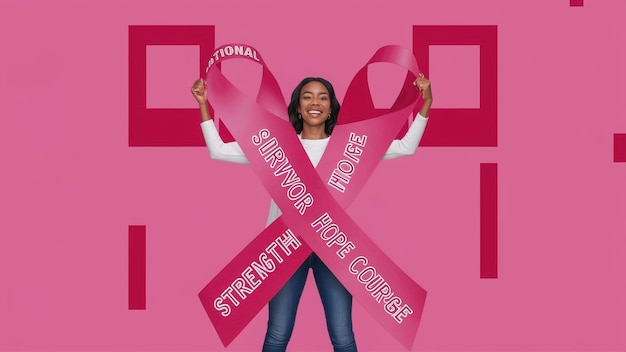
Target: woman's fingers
pixel 198 86
pixel 420 81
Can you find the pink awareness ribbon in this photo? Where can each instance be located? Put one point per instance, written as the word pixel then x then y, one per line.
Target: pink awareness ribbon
pixel 312 200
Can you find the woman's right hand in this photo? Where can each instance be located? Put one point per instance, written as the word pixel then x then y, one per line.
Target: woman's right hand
pixel 199 92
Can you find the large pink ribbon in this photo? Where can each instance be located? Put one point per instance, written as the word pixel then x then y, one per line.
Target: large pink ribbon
pixel 312 200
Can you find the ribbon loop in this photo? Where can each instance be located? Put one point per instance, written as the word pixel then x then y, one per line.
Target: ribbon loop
pixel 358 103
pixel 313 217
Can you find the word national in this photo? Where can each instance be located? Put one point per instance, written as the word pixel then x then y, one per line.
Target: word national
pixel 232 50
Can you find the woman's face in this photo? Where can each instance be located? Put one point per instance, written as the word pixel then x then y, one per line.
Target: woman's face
pixel 314 104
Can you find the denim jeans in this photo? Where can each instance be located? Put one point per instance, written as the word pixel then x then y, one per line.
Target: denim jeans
pixel 337 303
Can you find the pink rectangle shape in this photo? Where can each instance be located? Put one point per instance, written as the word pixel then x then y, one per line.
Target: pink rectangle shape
pixel 137 267
pixel 169 68
pixel 489 221
pixel 619 147
pixel 449 66
pixel 575 2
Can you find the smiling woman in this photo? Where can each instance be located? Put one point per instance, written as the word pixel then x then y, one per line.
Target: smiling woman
pixel 313 111
pixel 314 104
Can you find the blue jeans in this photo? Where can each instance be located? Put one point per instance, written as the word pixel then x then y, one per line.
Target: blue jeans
pixel 337 303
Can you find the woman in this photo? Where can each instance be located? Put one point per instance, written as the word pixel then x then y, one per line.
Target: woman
pixel 313 111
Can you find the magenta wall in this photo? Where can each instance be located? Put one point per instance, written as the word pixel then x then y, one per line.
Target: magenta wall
pixel 72 185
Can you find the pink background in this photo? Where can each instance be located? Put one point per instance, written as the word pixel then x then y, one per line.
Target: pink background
pixel 71 185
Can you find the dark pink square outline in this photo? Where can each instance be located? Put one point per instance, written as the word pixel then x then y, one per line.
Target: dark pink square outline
pixel 162 127
pixel 455 126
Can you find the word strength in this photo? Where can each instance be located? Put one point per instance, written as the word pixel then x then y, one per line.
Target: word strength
pixel 254 275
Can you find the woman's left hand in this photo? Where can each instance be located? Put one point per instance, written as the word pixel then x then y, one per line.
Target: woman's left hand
pixel 423 85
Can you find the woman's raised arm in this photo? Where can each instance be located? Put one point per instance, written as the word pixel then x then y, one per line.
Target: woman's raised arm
pixel 408 144
pixel 218 150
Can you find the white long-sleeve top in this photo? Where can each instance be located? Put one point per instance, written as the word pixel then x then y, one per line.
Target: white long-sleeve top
pixel 314 148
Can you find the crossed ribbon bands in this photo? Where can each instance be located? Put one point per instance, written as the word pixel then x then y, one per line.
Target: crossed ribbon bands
pixel 312 200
